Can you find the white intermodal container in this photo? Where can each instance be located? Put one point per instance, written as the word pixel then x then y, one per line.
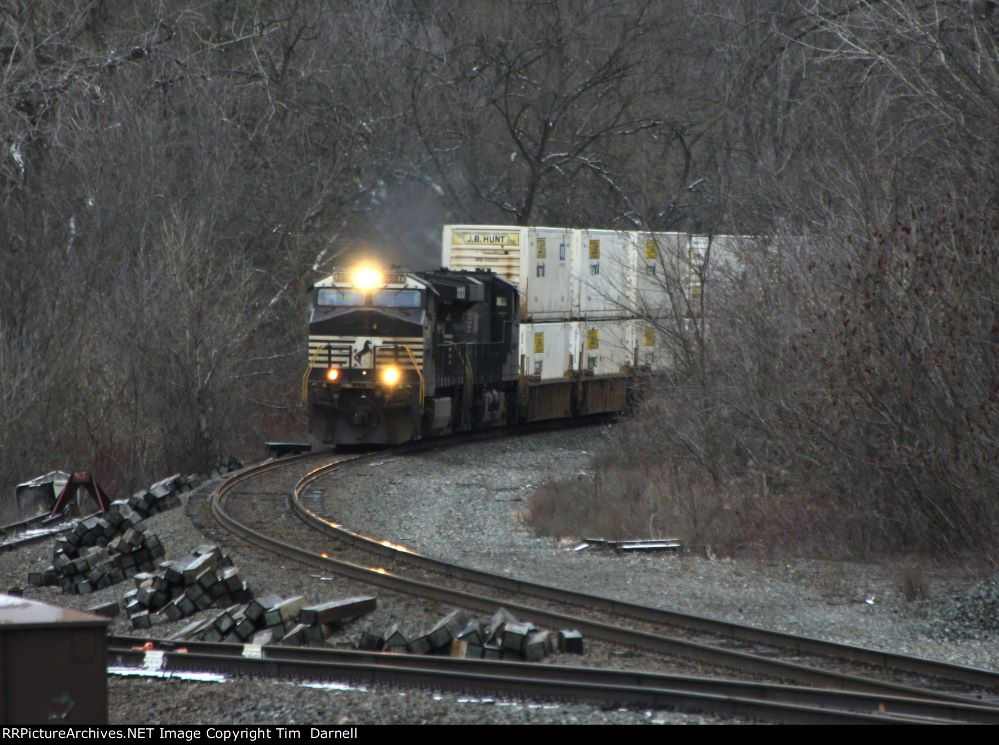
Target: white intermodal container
pixel 537 260
pixel 660 271
pixel 727 252
pixel 716 256
pixel 605 347
pixel 568 274
pixel 653 353
pixel 604 273
pixel 545 350
pixel 476 247
pixel 547 290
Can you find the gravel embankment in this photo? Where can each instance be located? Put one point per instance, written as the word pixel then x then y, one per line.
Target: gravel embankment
pixel 462 504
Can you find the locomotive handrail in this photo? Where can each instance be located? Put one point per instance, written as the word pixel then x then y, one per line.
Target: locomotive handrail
pixel 344 348
pixel 328 350
pixel 305 378
pixel 419 372
pixel 468 364
pixel 393 349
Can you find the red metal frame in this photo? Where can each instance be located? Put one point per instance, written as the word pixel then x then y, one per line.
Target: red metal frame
pixel 76 480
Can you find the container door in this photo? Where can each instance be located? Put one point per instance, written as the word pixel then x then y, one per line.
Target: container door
pixel 548 296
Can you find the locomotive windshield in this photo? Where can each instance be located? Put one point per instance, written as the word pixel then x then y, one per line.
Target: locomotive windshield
pixel 340 297
pixel 347 298
pixel 397 299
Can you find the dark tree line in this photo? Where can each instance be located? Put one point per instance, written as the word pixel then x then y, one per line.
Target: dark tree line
pixel 838 393
pixel 172 176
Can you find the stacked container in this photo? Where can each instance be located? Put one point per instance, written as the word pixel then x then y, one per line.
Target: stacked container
pixel 585 292
pixel 546 349
pixel 538 260
pixel 651 351
pixel 604 274
pixel 603 347
pixel 553 350
pixel 659 266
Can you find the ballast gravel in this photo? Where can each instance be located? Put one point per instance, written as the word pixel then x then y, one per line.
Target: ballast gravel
pixel 464 504
pixel 155 698
pixel 972 614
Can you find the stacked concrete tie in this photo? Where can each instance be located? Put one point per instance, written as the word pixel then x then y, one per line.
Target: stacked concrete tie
pixel 95 555
pixel 103 550
pixel 161 496
pixel 205 578
pixel 225 467
pixel 458 634
pixel 271 619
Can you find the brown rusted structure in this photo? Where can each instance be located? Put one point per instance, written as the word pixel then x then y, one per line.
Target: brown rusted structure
pixel 53 664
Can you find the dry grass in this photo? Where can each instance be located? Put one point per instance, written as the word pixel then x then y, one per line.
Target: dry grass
pixel 913 582
pixel 620 503
pixel 833 583
pixel 670 471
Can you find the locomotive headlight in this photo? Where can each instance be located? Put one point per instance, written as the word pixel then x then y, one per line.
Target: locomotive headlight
pixel 367 277
pixel 332 375
pixel 391 375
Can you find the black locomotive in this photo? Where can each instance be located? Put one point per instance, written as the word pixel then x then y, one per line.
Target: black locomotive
pixel 395 356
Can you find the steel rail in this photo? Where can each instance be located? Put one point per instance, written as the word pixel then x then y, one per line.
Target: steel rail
pixel 14 527
pixel 45 522
pixel 774 692
pixel 967 675
pixel 741 661
pixel 545 682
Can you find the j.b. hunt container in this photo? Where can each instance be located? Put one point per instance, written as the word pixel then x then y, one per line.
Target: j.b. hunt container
pixel 537 260
pixel 562 274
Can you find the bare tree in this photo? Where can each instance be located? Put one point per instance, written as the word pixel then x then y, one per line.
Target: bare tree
pixel 536 108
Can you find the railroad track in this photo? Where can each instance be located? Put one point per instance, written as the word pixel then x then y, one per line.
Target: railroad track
pixel 756 700
pixel 706 641
pixel 33 530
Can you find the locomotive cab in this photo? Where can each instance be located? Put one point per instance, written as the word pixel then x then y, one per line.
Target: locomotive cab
pixel 396 356
pixel 367 334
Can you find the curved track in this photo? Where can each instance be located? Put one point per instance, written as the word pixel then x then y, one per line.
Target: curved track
pixel 883 674
pixel 967 677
